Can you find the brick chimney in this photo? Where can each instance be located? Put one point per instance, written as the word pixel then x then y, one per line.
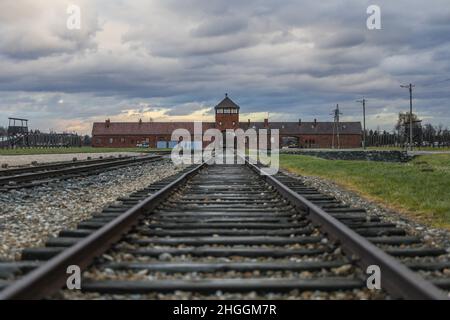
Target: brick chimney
pixel 107 123
pixel 299 122
pixel 266 123
pixel 315 122
pixel 140 121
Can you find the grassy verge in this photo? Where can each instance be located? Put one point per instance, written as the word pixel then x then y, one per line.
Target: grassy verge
pixel 415 148
pixel 420 188
pixel 27 151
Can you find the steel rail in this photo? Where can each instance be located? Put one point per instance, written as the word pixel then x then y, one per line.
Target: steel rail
pixel 79 169
pixel 52 275
pixel 396 278
pixel 56 165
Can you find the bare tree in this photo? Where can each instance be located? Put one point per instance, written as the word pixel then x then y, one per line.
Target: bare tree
pixel 403 124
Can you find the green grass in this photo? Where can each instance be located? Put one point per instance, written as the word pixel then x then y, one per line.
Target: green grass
pixel 26 151
pixel 420 188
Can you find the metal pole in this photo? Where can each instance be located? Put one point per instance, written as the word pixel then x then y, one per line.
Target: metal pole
pixel 363 101
pixel 410 119
pixel 410 86
pixel 337 127
pixel 364 122
pixel 332 138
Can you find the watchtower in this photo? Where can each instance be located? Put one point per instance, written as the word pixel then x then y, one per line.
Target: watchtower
pixel 18 132
pixel 14 129
pixel 227 114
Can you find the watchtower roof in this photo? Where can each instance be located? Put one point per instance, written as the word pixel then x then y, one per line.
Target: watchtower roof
pixel 227 103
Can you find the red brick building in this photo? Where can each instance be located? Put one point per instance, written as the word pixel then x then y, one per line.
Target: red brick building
pixel 158 134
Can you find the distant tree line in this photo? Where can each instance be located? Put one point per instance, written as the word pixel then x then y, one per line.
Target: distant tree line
pixel 425 135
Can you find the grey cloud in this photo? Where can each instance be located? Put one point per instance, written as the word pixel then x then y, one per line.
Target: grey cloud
pixel 341 40
pixel 221 26
pixel 295 59
pixel 184 109
pixel 37 31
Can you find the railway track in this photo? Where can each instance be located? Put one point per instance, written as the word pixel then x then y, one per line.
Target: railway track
pixel 32 176
pixel 229 229
pixel 56 165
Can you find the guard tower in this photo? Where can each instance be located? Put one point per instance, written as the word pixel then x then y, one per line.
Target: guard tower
pixel 227 114
pixel 17 131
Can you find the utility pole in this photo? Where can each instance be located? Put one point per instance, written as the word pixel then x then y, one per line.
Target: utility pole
pixel 336 114
pixel 363 101
pixel 410 86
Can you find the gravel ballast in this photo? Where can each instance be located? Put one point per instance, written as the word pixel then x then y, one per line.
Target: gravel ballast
pixel 356 294
pixel 24 160
pixel 29 216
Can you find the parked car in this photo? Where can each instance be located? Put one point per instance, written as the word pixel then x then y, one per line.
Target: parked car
pixel 142 145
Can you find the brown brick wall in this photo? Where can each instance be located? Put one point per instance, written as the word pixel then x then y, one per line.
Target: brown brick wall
pixel 306 141
pixel 127 141
pixel 225 121
pixel 326 141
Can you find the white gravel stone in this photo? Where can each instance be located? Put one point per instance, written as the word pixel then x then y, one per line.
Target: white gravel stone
pixel 29 216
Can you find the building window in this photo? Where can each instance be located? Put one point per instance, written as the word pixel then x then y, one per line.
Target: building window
pixel 219 110
pixel 234 123
pixel 99 140
pixel 111 140
pixel 122 140
pixel 220 123
pixel 227 111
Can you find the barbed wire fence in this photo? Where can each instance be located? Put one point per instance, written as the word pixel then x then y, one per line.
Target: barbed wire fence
pixel 421 138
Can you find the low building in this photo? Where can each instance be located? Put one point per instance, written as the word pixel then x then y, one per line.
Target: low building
pixel 300 134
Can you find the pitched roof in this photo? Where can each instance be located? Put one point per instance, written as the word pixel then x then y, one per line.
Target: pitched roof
pixel 227 103
pixel 166 128
pixel 144 128
pixel 306 127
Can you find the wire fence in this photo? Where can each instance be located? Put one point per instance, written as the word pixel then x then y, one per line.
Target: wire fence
pixel 45 140
pixel 420 139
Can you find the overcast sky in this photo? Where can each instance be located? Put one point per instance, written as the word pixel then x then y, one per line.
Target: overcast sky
pixel 173 60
